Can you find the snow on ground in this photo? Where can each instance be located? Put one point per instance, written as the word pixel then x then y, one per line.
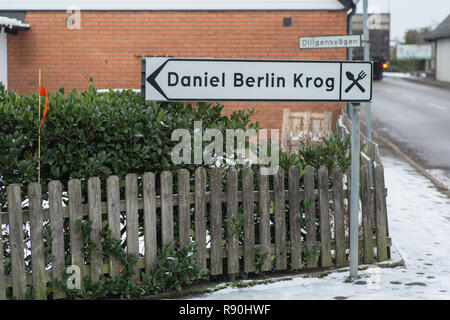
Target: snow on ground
pixel 440 175
pixel 403 75
pixel 419 224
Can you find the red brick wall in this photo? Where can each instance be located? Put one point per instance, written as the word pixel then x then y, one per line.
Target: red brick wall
pixel 109 45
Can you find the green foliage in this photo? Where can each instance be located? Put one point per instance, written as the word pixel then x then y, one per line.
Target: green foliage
pixel 174 268
pixel 333 152
pixel 85 227
pixel 91 134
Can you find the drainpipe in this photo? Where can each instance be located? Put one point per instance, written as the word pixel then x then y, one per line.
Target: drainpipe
pixel 350 50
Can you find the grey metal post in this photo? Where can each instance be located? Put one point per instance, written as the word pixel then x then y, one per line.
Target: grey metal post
pixel 368 106
pixel 350 50
pixel 367 58
pixel 354 200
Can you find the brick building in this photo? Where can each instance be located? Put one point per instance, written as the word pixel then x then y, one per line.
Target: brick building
pixel 104 41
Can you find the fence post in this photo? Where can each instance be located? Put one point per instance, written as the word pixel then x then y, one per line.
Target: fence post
pixel 200 216
pixel 280 220
pixel 57 229
pixel 75 214
pixel 366 214
pixel 16 241
pixel 249 220
pixel 166 207
pixel 339 228
pixel 37 241
pixel 131 211
pixel 264 220
pixel 113 200
pixel 2 267
pixel 150 232
pixel 294 218
pixel 324 204
pixel 381 214
pixel 184 208
pixel 95 216
pixel 216 221
pixel 232 235
pixel 308 179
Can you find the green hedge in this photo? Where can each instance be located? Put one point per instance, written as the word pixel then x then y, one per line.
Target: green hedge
pixel 96 134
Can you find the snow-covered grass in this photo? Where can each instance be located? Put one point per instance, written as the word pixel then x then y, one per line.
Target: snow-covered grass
pixel 397 74
pixel 419 224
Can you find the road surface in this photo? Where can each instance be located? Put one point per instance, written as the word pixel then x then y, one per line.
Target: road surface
pixel 417 118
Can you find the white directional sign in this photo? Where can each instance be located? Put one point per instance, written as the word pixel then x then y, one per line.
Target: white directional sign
pixel 412 51
pixel 177 79
pixel 322 42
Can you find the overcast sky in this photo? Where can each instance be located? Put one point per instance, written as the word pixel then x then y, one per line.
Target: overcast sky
pixel 407 14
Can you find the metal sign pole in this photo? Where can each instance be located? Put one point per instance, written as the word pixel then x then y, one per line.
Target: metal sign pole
pixel 354 199
pixel 367 58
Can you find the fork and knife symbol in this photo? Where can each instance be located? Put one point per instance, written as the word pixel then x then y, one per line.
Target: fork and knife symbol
pixel 355 82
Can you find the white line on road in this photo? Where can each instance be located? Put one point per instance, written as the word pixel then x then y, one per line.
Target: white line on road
pixel 434 105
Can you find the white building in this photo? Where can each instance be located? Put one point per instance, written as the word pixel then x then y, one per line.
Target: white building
pixel 441 38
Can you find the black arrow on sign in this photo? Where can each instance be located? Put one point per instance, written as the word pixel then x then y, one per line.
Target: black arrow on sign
pixel 152 80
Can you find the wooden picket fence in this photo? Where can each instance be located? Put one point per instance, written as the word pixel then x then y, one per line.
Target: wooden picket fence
pixel 280 230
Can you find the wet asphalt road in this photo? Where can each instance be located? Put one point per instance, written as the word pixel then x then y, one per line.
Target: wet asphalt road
pixel 417 118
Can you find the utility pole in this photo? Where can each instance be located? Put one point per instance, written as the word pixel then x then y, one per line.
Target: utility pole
pixel 350 50
pixel 354 192
pixel 367 58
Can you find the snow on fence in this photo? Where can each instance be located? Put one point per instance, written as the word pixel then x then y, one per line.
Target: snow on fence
pixel 274 223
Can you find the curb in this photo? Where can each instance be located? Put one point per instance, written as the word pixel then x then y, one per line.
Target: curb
pixel 429 83
pixel 439 185
pixel 425 81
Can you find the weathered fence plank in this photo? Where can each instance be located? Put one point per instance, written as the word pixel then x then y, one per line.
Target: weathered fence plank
pixel 264 220
pixel 311 261
pixel 232 233
pixel 280 221
pixel 339 228
pixel 37 241
pixel 57 231
pixel 216 222
pixel 132 215
pixel 366 215
pixel 380 214
pixel 2 267
pixel 166 207
pixel 200 216
pixel 75 214
pixel 184 208
pixel 294 218
pixel 113 200
pixel 16 242
pixel 95 216
pixel 249 221
pixel 324 204
pixel 150 231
